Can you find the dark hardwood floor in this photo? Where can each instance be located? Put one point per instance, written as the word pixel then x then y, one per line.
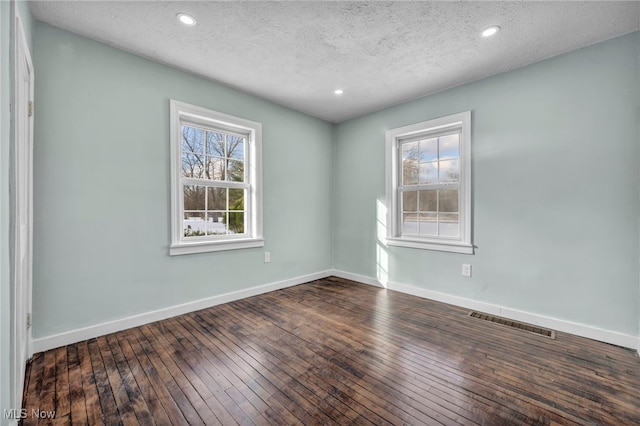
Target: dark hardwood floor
pixel 334 352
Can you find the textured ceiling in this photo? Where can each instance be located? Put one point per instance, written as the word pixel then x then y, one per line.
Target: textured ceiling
pixel 380 53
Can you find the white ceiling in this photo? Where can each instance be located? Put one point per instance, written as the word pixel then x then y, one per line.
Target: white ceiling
pixel 380 53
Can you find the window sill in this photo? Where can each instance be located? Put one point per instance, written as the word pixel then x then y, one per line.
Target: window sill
pixel 209 246
pixel 448 246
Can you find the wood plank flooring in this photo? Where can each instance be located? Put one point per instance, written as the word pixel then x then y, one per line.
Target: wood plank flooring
pixel 333 352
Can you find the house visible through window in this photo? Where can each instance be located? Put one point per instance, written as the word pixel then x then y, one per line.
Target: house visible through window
pixel 216 191
pixel 428 184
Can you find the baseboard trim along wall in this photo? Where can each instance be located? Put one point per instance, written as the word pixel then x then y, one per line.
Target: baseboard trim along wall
pixel 73 336
pixel 57 340
pixel 590 332
pixel 357 277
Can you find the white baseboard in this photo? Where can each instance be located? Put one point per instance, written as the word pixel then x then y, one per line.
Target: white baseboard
pixel 57 340
pixel 356 277
pixel 590 332
pixel 54 341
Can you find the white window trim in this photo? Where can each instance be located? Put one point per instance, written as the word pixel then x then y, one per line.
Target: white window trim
pixel 394 238
pixel 180 111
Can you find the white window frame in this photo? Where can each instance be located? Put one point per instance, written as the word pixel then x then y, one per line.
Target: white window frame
pixel 394 138
pixel 180 113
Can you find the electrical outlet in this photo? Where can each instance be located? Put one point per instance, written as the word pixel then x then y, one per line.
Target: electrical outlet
pixel 267 256
pixel 466 270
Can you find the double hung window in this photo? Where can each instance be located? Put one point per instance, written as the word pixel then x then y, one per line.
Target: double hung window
pixel 216 188
pixel 429 184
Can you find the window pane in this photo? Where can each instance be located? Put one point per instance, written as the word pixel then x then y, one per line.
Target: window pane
pixel 215 168
pixel 192 165
pixel 429 150
pixel 216 223
pixel 448 224
pixel 410 223
pixel 448 200
pixel 409 172
pixel 449 146
pixel 235 171
pixel 216 199
pixel 236 199
pixel 429 172
pixel 194 197
pixel 236 222
pixel 410 163
pixel 410 152
pixel 193 224
pixel 215 144
pixel 410 201
pixel 192 139
pixel 428 224
pixel 450 171
pixel 235 147
pixel 428 201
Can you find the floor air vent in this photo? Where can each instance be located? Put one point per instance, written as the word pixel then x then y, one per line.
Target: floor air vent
pixel 514 324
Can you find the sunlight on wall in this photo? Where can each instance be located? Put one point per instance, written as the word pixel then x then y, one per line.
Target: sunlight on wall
pixel 382 258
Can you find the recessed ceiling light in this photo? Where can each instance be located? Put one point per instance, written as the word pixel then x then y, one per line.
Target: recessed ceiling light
pixel 338 92
pixel 186 19
pixel 491 31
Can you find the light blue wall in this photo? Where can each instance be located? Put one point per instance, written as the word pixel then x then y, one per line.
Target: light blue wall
pixel 555 189
pixel 102 188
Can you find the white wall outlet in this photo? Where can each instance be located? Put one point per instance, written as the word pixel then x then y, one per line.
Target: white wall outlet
pixel 267 256
pixel 466 270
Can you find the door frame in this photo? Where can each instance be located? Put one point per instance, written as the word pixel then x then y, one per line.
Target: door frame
pixel 21 199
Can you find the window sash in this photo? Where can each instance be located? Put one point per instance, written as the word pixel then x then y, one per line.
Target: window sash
pixel 437 212
pixel 208 128
pixel 214 237
pixel 215 183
